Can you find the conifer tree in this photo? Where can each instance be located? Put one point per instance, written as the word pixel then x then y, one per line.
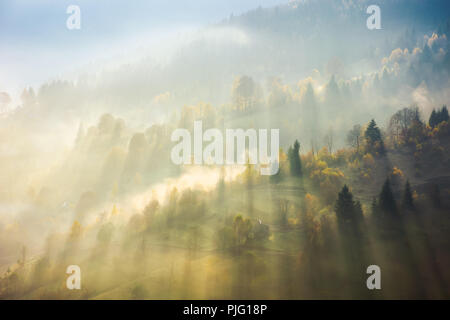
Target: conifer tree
pixel 344 202
pixel 372 132
pixel 294 159
pixel 433 119
pixel 439 116
pixel 373 135
pixel 407 201
pixel 345 206
pixel 387 201
pixel 443 114
pixel 349 214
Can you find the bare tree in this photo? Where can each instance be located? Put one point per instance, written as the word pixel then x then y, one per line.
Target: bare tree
pixel 329 140
pixel 402 120
pixel 354 137
pixel 313 147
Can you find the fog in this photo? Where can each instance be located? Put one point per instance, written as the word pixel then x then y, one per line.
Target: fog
pixel 85 162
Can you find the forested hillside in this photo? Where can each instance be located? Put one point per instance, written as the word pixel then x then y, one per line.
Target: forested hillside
pixel 364 164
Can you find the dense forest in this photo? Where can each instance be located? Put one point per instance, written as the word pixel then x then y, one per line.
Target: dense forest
pixel 364 166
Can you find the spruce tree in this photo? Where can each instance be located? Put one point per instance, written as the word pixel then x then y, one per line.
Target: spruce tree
pixel 345 206
pixel 407 201
pixel 439 116
pixel 387 201
pixel 433 119
pixel 373 135
pixel 349 214
pixel 372 132
pixel 443 114
pixel 294 159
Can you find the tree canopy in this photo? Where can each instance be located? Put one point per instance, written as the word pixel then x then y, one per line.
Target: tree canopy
pixel 438 116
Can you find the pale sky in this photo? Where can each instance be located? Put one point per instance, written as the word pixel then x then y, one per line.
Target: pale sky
pixel 36 46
